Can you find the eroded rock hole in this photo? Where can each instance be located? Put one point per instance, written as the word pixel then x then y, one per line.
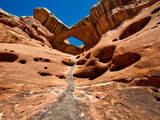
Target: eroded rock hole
pixel 68 62
pixel 78 57
pixel 81 62
pixel 158 99
pixel 105 54
pixel 45 74
pixel 11 50
pixel 98 71
pixel 40 58
pixel 61 76
pixel 154 81
pixel 8 57
pixel 88 56
pixel 92 70
pixel 114 40
pixel 91 62
pixel 36 59
pixel 155 90
pixel 46 60
pixel 155 11
pixel 3 89
pixel 134 27
pixel 97 97
pixel 22 61
pixel 81 75
pixel 45 67
pixel 122 61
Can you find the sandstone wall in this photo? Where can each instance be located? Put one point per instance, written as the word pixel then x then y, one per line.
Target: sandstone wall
pixel 104 16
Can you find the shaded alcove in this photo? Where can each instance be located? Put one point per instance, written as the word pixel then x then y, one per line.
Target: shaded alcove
pixel 75 41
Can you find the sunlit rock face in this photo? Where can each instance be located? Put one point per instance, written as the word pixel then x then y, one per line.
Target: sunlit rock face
pixel 56 27
pixel 105 15
pixel 120 76
pixel 31 73
pixel 23 30
pixel 115 76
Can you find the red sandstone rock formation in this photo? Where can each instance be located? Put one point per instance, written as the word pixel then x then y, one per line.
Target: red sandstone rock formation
pixel 105 15
pixel 117 78
pixel 25 30
pixel 56 27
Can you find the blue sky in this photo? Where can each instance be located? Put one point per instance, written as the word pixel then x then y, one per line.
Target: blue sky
pixel 68 11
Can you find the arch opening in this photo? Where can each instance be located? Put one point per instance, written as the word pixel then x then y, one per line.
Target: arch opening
pixel 75 41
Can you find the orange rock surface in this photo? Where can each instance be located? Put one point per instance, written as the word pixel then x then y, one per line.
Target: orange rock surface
pixel 31 73
pixel 105 15
pixel 117 77
pixel 24 30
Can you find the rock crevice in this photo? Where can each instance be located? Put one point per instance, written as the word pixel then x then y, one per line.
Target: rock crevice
pixel 66 108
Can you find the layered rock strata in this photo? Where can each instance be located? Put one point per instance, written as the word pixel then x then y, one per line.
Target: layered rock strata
pixel 105 15
pixel 119 78
pixel 23 30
